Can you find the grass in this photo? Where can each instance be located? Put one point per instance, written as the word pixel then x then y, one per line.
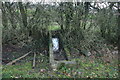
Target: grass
pixel 85 67
pixel 93 69
pixel 54 27
pixel 24 69
pixel 14 71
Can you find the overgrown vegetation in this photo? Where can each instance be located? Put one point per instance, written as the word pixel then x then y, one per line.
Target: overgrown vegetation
pixel 86 28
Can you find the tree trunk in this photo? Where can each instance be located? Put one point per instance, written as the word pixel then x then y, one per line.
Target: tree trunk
pixel 61 15
pixel 4 16
pixel 23 14
pixel 68 14
pixel 119 31
pixel 86 12
pixel 11 13
pixel 0 41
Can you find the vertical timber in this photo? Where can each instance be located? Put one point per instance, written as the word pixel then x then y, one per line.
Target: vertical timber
pixel 1 26
pixel 118 35
pixel 51 57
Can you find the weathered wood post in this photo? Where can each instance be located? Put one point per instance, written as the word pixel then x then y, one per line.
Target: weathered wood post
pixel 51 56
pixel 1 26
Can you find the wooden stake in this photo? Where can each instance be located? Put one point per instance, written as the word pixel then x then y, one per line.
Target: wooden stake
pixel 10 63
pixel 34 60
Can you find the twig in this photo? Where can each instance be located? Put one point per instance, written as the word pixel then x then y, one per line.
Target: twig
pixel 10 63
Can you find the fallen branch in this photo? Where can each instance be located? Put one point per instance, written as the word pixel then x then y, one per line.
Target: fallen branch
pixel 10 63
pixel 34 61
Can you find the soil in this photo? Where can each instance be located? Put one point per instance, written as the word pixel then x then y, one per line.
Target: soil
pixel 10 52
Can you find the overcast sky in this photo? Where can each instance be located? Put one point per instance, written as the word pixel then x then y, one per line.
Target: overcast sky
pixel 64 0
pixel 48 1
pixel 101 5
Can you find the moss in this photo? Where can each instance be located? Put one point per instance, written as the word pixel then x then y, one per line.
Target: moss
pixel 60 66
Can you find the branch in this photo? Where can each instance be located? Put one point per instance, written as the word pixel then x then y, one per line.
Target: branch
pixel 10 63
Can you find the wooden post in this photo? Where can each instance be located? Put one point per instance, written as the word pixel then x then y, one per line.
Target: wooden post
pixel 51 57
pixel 118 32
pixel 34 60
pixel 1 26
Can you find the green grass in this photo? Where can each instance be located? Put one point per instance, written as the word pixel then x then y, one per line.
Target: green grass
pixel 54 27
pixel 85 67
pixel 93 69
pixel 16 70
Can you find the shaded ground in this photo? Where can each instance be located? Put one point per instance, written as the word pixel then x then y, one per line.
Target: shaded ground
pixel 105 66
pixel 11 52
